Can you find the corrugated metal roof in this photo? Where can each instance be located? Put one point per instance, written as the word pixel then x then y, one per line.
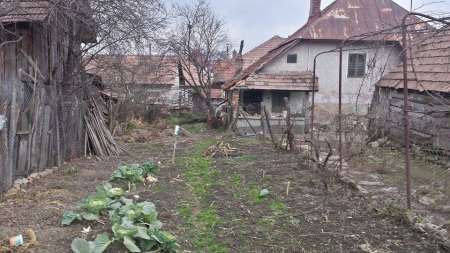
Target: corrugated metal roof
pixel 24 11
pixel 430 68
pixel 341 20
pixel 344 19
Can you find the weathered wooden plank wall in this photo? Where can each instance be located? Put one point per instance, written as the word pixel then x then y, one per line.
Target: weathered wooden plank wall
pixel 429 117
pixel 44 98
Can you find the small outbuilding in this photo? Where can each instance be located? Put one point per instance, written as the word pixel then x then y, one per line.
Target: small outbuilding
pixel 43 92
pixel 429 96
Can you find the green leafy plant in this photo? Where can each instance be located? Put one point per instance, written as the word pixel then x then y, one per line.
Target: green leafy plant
pixel 132 173
pixel 91 208
pixel 135 225
pixel 108 190
pixel 150 168
pixel 100 244
pixel 144 212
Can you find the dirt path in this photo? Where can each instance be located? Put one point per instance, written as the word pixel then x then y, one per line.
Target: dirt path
pixel 213 205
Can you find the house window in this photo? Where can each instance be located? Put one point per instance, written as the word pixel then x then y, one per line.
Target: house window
pixel 292 58
pixel 278 105
pixel 356 65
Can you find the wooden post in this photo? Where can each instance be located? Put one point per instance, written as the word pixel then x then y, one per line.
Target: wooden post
pixel 176 133
pixel 289 125
pixel 10 140
pixel 263 127
pixel 248 122
pixel 5 178
pixel 266 116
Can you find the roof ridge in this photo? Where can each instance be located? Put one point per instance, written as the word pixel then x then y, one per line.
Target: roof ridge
pixel 264 44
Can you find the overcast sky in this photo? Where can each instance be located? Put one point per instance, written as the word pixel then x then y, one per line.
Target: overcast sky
pixel 257 20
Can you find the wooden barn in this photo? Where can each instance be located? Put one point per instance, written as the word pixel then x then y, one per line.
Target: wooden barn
pixel 42 89
pixel 429 96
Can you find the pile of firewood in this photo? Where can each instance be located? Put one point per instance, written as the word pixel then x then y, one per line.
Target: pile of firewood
pixel 220 149
pixel 100 140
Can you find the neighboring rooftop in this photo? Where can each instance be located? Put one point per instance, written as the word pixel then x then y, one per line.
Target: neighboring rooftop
pixel 256 53
pixel 23 11
pixel 39 11
pixel 431 61
pixel 344 19
pixel 135 69
pixel 295 81
pixel 341 20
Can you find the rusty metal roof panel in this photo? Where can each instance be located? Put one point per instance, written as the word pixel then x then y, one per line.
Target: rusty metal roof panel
pixel 344 19
pixel 341 20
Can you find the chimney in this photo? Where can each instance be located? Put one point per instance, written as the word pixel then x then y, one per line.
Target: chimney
pixel 241 48
pixel 314 11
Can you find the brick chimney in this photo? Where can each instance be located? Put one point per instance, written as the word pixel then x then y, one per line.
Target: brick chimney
pixel 314 11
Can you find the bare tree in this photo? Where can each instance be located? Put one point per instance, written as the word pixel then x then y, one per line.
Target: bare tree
pixel 198 41
pixel 126 26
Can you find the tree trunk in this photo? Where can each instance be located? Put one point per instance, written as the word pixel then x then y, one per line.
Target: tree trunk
pixel 213 121
pixel 5 173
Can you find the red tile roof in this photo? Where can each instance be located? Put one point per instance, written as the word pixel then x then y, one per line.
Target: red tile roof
pixel 431 66
pixel 135 69
pixel 284 47
pixel 256 53
pixel 225 70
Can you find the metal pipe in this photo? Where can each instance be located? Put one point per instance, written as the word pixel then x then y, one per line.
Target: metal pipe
pixel 313 102
pixel 406 116
pixel 340 109
pixel 406 106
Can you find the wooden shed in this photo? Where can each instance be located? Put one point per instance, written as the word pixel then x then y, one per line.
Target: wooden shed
pixel 41 86
pixel 429 96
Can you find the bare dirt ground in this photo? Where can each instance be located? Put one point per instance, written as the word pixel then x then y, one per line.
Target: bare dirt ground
pixel 213 204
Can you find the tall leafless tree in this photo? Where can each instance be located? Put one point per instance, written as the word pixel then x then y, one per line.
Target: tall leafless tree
pixel 126 26
pixel 198 41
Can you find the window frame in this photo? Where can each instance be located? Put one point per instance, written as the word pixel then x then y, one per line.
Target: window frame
pixel 355 66
pixel 292 62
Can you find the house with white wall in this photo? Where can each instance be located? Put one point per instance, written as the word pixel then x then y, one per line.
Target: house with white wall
pixel 368 31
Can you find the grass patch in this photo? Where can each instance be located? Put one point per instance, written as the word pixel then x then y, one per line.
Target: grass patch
pixel 71 171
pixel 254 196
pixel 195 128
pixel 200 175
pixel 278 208
pixel 241 159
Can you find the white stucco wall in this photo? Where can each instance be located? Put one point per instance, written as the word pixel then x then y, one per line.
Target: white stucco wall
pixel 327 71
